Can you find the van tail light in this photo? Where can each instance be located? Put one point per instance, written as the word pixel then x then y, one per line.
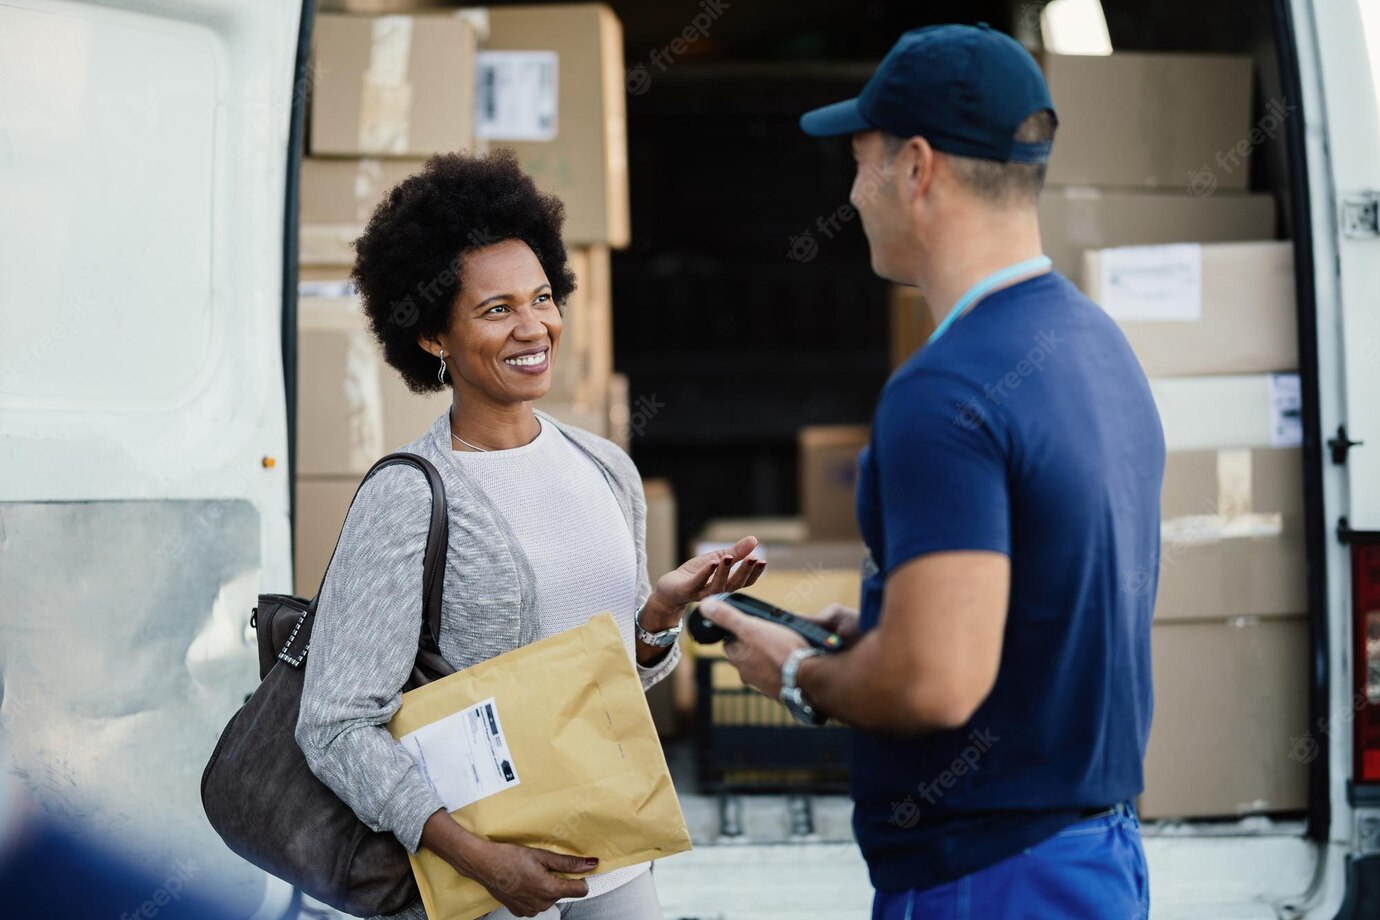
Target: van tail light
pixel 1365 569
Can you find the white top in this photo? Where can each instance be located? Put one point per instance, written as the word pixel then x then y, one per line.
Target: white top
pixel 564 513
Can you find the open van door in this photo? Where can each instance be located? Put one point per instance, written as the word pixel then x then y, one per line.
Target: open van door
pixel 145 164
pixel 1337 47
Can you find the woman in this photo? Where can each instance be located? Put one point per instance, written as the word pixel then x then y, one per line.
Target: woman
pixel 463 274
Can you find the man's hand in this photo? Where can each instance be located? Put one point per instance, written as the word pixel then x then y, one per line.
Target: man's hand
pixel 757 648
pixel 840 620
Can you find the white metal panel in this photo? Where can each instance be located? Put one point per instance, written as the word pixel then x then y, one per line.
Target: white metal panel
pixel 1348 35
pixel 143 152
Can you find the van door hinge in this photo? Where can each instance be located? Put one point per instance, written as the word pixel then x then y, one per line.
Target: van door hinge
pixel 1341 445
pixel 1361 215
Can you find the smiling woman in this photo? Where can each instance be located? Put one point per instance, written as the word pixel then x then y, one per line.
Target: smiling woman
pixel 463 276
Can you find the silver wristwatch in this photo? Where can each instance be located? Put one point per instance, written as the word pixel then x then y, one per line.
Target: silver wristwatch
pixel 791 695
pixel 663 639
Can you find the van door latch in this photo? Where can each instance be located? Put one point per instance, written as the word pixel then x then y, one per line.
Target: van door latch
pixel 1361 215
pixel 1341 445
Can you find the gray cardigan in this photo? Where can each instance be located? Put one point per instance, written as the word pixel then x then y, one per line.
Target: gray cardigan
pixel 364 640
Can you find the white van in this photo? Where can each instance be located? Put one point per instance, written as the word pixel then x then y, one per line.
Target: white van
pixel 147 316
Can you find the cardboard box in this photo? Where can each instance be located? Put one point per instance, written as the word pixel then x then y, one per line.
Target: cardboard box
pixel 770 530
pixel 1229 735
pixel 1078 218
pixel 352 408
pixel 1170 121
pixel 812 554
pixel 1190 309
pixel 321 505
pixel 673 698
pixel 911 323
pixel 620 431
pixel 584 359
pixel 584 159
pixel 1247 410
pixel 379 7
pixel 590 418
pixel 828 479
pixel 399 86
pixel 1232 542
pixel 337 199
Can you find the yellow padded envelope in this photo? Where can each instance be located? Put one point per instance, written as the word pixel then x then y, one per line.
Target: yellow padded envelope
pixel 550 745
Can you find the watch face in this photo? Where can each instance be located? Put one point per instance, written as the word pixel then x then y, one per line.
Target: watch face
pixel 794 702
pixel 665 637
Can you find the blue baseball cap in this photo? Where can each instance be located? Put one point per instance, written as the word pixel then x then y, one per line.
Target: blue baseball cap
pixel 965 89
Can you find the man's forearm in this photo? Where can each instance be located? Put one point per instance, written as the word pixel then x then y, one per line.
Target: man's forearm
pixel 863 688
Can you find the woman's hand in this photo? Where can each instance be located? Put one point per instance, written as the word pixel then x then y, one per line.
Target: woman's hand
pixel 705 574
pixel 521 878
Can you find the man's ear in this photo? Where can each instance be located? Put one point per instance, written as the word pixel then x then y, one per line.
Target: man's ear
pixel 917 164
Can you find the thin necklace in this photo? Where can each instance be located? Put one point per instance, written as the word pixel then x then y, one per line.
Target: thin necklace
pixel 462 440
pixel 457 437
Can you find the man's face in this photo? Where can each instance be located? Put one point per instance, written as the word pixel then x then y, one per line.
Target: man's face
pixel 877 198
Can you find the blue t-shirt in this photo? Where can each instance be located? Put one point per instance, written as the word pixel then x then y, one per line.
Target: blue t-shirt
pixel 1027 429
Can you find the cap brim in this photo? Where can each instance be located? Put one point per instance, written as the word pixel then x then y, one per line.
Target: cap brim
pixel 834 120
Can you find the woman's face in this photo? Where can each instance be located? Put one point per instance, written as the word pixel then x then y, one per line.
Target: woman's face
pixel 504 325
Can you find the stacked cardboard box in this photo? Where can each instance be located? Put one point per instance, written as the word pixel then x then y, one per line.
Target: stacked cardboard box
pixel 387 91
pixel 1148 209
pixel 829 478
pixel 1214 326
pixel 561 68
pixel 673 700
pixel 1149 150
pixel 910 322
pixel 351 409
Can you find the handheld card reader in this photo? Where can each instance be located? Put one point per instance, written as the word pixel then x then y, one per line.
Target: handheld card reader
pixel 707 633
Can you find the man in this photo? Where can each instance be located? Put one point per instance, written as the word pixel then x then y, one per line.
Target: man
pixel 998 676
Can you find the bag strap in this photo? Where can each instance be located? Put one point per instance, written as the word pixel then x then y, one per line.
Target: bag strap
pixel 433 561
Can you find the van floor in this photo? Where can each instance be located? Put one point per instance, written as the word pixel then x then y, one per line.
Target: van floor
pixel 774 857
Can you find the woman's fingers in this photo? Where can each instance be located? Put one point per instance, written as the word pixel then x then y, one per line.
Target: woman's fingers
pixel 719 583
pixel 756 573
pixel 740 574
pixel 705 578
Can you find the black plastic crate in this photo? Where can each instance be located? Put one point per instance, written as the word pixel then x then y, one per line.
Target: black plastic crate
pixel 749 743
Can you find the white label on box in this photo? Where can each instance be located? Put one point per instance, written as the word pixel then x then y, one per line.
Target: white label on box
pixel 1154 284
pixel 515 95
pixel 464 757
pixel 1286 411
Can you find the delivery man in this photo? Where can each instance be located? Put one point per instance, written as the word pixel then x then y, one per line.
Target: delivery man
pixel 998 674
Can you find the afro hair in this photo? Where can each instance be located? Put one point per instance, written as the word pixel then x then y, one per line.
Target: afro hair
pixel 408 264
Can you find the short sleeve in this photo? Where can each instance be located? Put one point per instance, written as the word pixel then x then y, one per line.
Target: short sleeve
pixel 940 449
